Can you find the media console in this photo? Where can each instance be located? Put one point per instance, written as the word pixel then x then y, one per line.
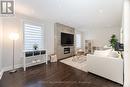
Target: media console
pixel 34 57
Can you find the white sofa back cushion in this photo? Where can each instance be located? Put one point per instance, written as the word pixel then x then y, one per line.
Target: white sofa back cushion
pixel 102 53
pixel 113 54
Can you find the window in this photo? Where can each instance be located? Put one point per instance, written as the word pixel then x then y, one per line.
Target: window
pixel 78 40
pixel 33 35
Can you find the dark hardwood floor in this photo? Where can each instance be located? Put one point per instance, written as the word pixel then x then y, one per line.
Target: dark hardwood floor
pixel 54 75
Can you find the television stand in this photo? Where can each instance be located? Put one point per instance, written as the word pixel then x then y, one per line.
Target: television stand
pixel 34 57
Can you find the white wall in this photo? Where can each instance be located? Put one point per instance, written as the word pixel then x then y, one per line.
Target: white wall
pixel 15 24
pixel 100 37
pixel 49 37
pixel 1 42
pixel 126 27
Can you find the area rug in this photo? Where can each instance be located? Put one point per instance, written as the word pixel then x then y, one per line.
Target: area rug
pixel 78 63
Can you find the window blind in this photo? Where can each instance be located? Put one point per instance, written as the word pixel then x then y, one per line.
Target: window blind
pixel 78 40
pixel 33 35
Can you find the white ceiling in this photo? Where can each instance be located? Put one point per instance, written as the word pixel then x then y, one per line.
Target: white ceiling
pixel 81 14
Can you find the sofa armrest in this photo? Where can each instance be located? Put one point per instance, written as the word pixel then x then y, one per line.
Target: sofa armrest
pixel 108 67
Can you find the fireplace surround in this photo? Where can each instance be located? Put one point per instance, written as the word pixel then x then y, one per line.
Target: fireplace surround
pixel 60 50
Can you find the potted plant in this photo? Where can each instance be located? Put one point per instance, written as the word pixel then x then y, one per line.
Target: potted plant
pixel 113 41
pixel 35 46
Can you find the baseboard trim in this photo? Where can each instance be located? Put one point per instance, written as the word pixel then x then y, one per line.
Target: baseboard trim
pixel 19 66
pixel 10 67
pixel 1 74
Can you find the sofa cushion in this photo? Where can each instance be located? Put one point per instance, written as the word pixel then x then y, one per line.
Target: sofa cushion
pixel 102 53
pixel 113 54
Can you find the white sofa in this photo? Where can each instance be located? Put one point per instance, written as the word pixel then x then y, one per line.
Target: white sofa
pixel 107 67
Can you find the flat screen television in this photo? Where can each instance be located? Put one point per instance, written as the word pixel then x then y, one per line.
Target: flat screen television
pixel 67 39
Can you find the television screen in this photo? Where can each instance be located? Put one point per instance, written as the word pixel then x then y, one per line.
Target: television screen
pixel 67 39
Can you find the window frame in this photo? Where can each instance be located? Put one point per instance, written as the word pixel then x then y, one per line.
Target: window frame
pixel 35 24
pixel 80 40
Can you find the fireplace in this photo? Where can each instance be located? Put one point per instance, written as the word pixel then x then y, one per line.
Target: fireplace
pixel 66 50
